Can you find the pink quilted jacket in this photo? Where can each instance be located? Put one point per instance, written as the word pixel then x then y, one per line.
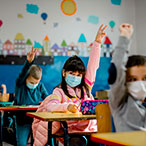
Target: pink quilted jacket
pixel 58 101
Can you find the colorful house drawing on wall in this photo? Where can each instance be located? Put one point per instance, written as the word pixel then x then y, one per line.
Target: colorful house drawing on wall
pixel 72 49
pixel 39 48
pixel 19 43
pixel 28 45
pixel 64 48
pixel 82 44
pixel 107 47
pixel 8 48
pixel 55 50
pixel 47 46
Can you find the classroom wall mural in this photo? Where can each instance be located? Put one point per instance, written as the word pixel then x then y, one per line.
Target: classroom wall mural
pixel 59 28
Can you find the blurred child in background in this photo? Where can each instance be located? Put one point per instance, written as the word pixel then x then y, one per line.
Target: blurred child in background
pixel 28 91
pixel 127 79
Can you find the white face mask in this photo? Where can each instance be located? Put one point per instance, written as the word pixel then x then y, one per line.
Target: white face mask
pixel 137 89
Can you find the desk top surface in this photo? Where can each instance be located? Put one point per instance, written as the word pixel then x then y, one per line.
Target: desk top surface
pixel 56 116
pixel 135 138
pixel 19 108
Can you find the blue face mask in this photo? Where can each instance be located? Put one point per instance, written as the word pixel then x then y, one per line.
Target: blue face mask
pixel 31 86
pixel 73 80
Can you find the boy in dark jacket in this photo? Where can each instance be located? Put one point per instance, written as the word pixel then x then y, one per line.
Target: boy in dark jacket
pixel 28 91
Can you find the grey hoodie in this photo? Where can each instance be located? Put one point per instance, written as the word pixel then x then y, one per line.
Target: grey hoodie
pixel 128 114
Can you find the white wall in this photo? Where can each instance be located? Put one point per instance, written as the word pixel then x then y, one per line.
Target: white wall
pixel 141 26
pixel 69 29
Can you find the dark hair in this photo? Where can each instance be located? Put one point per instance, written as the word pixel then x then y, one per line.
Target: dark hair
pixel 74 63
pixel 136 60
pixel 35 71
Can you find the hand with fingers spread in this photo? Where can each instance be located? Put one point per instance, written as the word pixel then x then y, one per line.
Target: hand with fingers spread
pixel 126 30
pixel 31 55
pixel 101 34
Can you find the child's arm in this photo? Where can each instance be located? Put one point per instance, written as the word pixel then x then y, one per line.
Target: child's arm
pixel 94 57
pixel 24 73
pixel 43 91
pixel 119 60
pixel 56 104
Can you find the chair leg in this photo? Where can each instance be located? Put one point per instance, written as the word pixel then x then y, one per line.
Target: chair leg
pixel 85 139
pixel 15 129
pixel 1 127
pixel 31 135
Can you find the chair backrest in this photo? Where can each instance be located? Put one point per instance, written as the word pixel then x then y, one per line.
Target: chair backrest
pixel 102 94
pixel 103 116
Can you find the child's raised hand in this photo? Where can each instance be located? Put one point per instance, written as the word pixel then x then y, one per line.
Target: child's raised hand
pixel 101 34
pixel 72 108
pixel 31 55
pixel 126 30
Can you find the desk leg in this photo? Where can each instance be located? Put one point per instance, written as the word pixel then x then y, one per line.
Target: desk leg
pixel 1 127
pixel 50 136
pixel 66 136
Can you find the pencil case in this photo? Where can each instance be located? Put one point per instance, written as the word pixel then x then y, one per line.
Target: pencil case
pixel 89 106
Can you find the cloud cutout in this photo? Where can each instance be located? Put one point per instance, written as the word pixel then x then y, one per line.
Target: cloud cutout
pixel 93 19
pixel 30 8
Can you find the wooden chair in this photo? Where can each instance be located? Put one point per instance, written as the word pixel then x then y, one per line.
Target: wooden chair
pixel 102 94
pixel 103 116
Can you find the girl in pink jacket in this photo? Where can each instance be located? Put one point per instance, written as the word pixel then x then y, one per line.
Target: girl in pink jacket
pixel 75 86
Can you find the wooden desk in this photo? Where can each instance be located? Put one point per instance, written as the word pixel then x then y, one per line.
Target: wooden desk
pixel 13 109
pixel 136 138
pixel 62 117
pixel 54 116
pixel 20 108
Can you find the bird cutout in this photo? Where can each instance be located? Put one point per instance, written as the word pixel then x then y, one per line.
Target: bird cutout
pixel 55 24
pixel 78 19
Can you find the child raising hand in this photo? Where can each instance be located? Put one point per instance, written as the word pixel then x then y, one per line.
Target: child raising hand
pixel 28 91
pixel 75 86
pixel 127 79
